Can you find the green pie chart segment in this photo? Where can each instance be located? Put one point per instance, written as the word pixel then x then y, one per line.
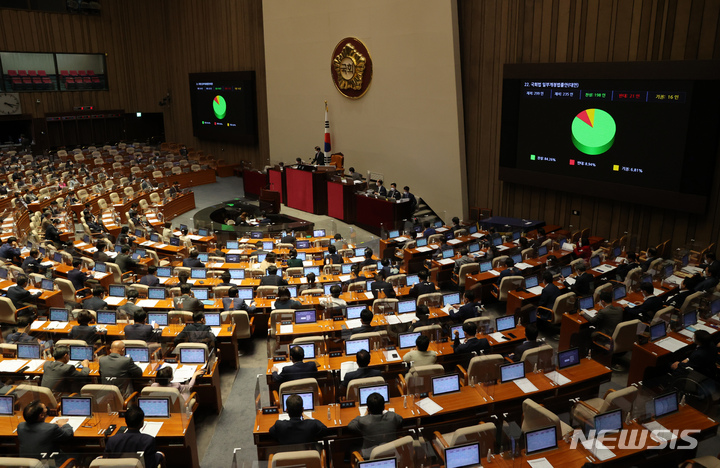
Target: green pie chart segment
pixel 219 107
pixel 593 131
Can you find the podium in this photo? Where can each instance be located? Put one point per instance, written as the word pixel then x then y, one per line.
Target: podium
pixel 374 214
pixel 341 199
pixel 254 182
pixel 306 190
pixel 277 183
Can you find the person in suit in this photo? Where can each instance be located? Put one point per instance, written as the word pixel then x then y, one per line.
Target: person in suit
pixel 363 361
pixel 272 278
pixel 583 250
pixel 469 309
pixel 651 257
pixel 550 292
pixel 96 302
pixel 187 301
pixel 284 301
pixel 58 374
pixel 630 264
pixel 354 175
pixel 132 440
pixel 20 297
pixel 124 261
pixel 232 302
pixel 31 264
pixel 377 426
pixel 368 258
pixel 381 285
pixel 293 261
pixel 463 260
pixel 354 276
pixel 422 312
pixel 509 270
pixel 702 359
pixel 10 252
pixel 366 318
pixel 319 158
pixel 583 285
pixel 712 263
pixel 406 194
pixel 130 308
pixel 297 370
pixel 678 299
pixel 428 230
pixel 333 257
pixel 150 279
pixel 118 369
pixel 99 255
pixel 37 437
pixel 192 261
pixel 608 317
pixel 393 192
pixel 420 356
pixel 76 275
pixel 423 286
pixel 288 238
pixel 124 238
pixel 197 332
pixel 471 342
pixel 710 281
pixel 297 430
pixel 83 331
pixel 225 279
pixel 339 243
pixel 381 190
pixel 531 334
pixel 645 310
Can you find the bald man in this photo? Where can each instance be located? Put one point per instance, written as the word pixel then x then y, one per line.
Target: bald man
pixel 119 370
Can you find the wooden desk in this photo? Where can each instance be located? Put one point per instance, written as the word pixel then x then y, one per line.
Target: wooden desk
pixel 375 214
pixel 307 190
pixel 177 205
pixel 254 182
pixel 341 199
pixel 650 356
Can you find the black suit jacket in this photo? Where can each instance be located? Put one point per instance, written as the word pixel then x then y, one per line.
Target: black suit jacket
pixel 382 191
pixel 507 272
pixel 42 437
pixel 193 263
pixel 473 344
pixel 133 441
pixel 420 288
pixel 273 280
pixel 382 285
pixel 646 310
pixel 298 370
pixel 95 303
pixel 678 299
pixel 77 278
pixel 142 331
pixel 20 296
pixel 297 431
pixel 520 349
pixel 361 373
pixel 583 284
pixel 548 296
pixel 465 312
pixel 125 262
pixel 57 375
pixel 149 280
pixel 393 193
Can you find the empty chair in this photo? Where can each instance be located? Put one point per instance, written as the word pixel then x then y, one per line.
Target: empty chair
pixel 129 462
pixel 431 299
pixel 536 417
pixel 622 341
pixel 8 312
pixel 24 394
pixel 304 458
pixel 403 450
pixel 104 395
pixel 584 411
pixel 102 204
pixel 483 369
pixel 564 303
pixel 507 284
pixel 384 306
pixel 266 291
pixel 540 357
pixel 419 379
pixel 483 433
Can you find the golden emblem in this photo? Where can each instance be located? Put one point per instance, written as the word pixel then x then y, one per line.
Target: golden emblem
pixel 351 68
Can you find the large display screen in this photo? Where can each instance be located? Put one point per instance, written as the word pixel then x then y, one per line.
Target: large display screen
pixel 636 132
pixel 224 106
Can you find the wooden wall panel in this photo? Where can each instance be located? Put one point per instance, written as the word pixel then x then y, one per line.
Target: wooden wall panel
pixel 495 32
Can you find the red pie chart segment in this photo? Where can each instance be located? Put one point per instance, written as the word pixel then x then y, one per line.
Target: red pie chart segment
pixel 586 117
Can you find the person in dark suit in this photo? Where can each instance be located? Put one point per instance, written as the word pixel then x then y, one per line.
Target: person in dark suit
pixel 150 279
pixel 83 331
pixel 710 281
pixel 393 192
pixel 272 278
pixel 471 342
pixel 583 285
pixel 702 359
pixel 197 332
pixel 130 308
pixel 58 374
pixel 406 194
pixel 124 261
pixel 232 302
pixel 100 255
pixel 354 276
pixel 678 299
pixel 20 296
pixel 377 426
pixel 531 334
pixel 140 330
pixel 607 318
pixel 631 263
pixel 297 430
pixel 76 275
pixel 124 237
pixel 363 361
pixel 469 309
pixel 319 158
pixel 31 264
pixel 366 318
pixel 550 292
pixel 187 301
pixel 381 285
pixel 288 239
pixel 651 257
pixel 368 258
pixel 423 286
pixel 332 256
pixel 192 261
pixel 645 311
pixel 96 302
pixel 509 270
pixel 422 312
pixel 37 437
pixel 293 261
pixel 381 190
pixel 118 369
pixel 712 263
pixel 284 301
pixel 428 230
pixel 10 251
pixel 297 370
pixel 132 440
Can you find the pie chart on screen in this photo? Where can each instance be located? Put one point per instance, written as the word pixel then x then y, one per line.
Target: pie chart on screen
pixel 219 107
pixel 593 131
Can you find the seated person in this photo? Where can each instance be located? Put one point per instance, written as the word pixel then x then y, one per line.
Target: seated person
pixel 428 230
pixel 273 278
pixel 20 334
pixel 354 276
pixel 471 342
pixel 124 260
pixel 531 334
pixel 293 261
pixel 469 309
pixel 710 281
pixel 193 261
pixel 297 370
pixel 140 330
pixel 133 441
pixel 606 319
pixel 377 426
pixel 363 361
pixel 96 301
pixel 76 276
pixel 284 301
pixel 225 279
pixel 232 302
pixel 509 270
pixel 463 260
pixel 36 437
pixel 333 257
pixel 334 299
pixel 83 330
pixel 583 285
pixel 187 301
pixel 651 256
pixel 625 268
pixel 366 318
pixel 583 249
pixel 381 285
pixel 270 259
pixel 645 311
pixel 422 312
pixel 130 308
pixel 423 286
pixel 20 297
pixel 703 358
pixel 150 279
pixel 197 332
pixel 297 430
pixel 311 283
pixel 368 258
pixel 31 264
pixel 677 299
pixel 58 374
pixel 164 378
pixel 420 356
pixel 550 292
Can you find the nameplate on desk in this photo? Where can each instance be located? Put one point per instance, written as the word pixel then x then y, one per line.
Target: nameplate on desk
pixel 286 322
pixel 336 353
pixel 347 404
pixel 390 348
pixel 424 395
pixel 338 318
pixel 270 410
pixel 279 358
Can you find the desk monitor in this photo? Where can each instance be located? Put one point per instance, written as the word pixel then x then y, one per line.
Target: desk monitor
pixel 510 372
pixel 303 256
pixel 516 235
pixel 407 340
pixel 164 272
pixel 380 463
pixel 497 241
pixel 47 284
pixel 406 306
pixel 232 258
pixel 617 251
pixel 359 251
pixel 328 286
pixel 292 290
pixel 365 392
pixel 619 292
pixel 472 229
pixel 368 285
pixel 153 237
pixel 715 306
pixel 485 266
pixel 353 312
pixel 540 440
pixel 161 318
pixel 311 269
pixel 449 235
pixel 451 299
pixel 657 331
pixel 685 260
pixel 542 251
pixel 586 303
pixel 236 273
pixel 142 253
pixel 458 329
pixel 200 294
pixel 353 346
pixel 192 356
pixel 305 316
pixel 302 244
pixel 594 261
pixel 156 293
pixel 531 281
pixel 568 358
pixel 690 318
pixel 256 235
pixel 175 241
pixel 449 253
pixel 198 273
pixel 669 270
pixel 203 256
pixel 319 233
pixel 7 405
pixel 232 245
pixel 138 353
pixel 308 349
pixel 106 317
pixel 42 252
pixel 665 404
pixel 79 353
pixel 505 322
pixel 3 273
pixel 460 456
pixel 58 315
pixel 445 384
pixel 76 406
pixel 308 399
pixel 517 258
pixel 155 407
pixel 392 234
pixel 268 245
pixel 566 271
pixel 346 268
pixel 28 351
pixel 474 247
pixel 438 224
pixel 421 242
pixel 245 293
pixel 212 319
pixel 57 257
pixel 646 279
pixel 202 232
pixel 411 280
pixel 100 267
pixel 610 421
pixel 116 290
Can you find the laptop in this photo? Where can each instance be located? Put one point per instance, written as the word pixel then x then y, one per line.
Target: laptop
pixel 138 233
pixel 232 245
pixel 175 241
pixel 665 404
pixel 411 280
pixel 407 340
pixel 422 242
pixel 610 421
pixel 302 244
pixel 198 273
pixel 485 266
pixel 76 406
pixel 303 256
pixel 365 392
pixel 353 312
pixel 449 253
pixel 510 372
pixel 380 463
pixel 305 316
pixel 3 273
pixel 308 349
pixel 319 233
pixel 106 317
pixel 438 224
pixel 308 399
pixel 594 261
pixel 517 258
pixel 690 318
pixel 58 315
pixel 212 319
pixel 506 322
pixel 47 284
pixel 28 351
pixel 156 293
pixel 116 290
pixel 203 256
pixel 200 294
pixel 566 271
pixel 360 251
pixel 245 293
pixel 164 272
pixel 100 267
pixel 445 384
pixel 140 252
pixel 353 346
pixel 461 456
pixel 292 290
pixel 568 358
pixel 161 318
pixel 406 306
pixel 138 354
pixel 80 353
pixel 540 440
pixel 155 407
pixel 346 268
pixel 312 269
pixel 268 245
pixel 327 287
pixel 657 331
pixel 202 232
pixel 236 273
pixel 458 329
pixel 646 279
pixel 451 299
pixel 7 405
pixel 542 251
pixel 715 307
pixel 586 303
pixel 497 241
pixel 153 238
pixel 232 258
pixel 192 356
pixel 57 257
pixel 391 234
pixel 531 281
pixel 619 293
pixel 474 247
pixel 685 260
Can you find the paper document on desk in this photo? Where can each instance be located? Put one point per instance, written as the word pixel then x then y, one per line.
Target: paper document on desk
pixel 357 259
pixel 525 385
pixel 303 280
pixel 37 324
pixel 35 364
pixel 35 291
pixel 537 290
pixel 570 281
pixel 74 421
pixel 661 432
pixel 604 268
pixel 540 463
pixel 152 428
pixel 401 239
pixel 691 270
pixel 344 278
pixel 688 332
pixel 161 246
pixel 286 329
pixel 12 365
pixel 147 302
pixel 502 247
pixel 216 330
pixel 429 406
pixel 369 295
pixel 184 373
pixel 523 265
pixel 56 325
pixel 674 279
pixel 391 355
pixel 113 300
pixel 308 263
pixel 446 261
pixel 194 237
pixel 702 326
pixel 657 292
pixel 497 336
pixel 454 241
pixel 598 450
pixel 407 318
pixel 591 312
pixel 557 377
pixel 670 344
pixel 347 366
pixel 47 264
pixel 353 323
pixel 424 249
pixel 494 272
pixel 147 243
pixel 568 247
pixel 162 279
pixel 391 319
pixel 625 303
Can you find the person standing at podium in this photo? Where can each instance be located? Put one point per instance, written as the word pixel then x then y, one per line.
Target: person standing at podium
pixel 406 194
pixel 319 158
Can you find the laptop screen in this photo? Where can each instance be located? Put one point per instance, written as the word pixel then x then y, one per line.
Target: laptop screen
pixel 198 273
pixel 346 268
pixel 531 282
pixel 594 261
pixel 256 235
pixel 57 257
pixel 646 279
pixel 319 233
pixel 473 229
pixel 327 287
pixel 451 299
pixel 353 346
pixel 245 293
pixel 568 358
pixel 77 406
pixel 610 421
pixel 140 252
pixel 715 306
pixel 202 232
pixel 200 293
pixel 517 258
pixel 79 353
pixel 175 241
pixel 506 322
pixel 690 318
pixel 117 290
pixel 307 398
pixel 510 372
pixel 497 241
pixel 305 316
pixel 232 245
pixel 100 267
pixel 458 329
pixel 353 312
pixel 232 258
pixel 308 350
pixel 6 405
pixel 657 331
pixel 303 244
pixel 542 251
pixel 360 251
pixel 292 290
pixel 138 354
pixel 161 318
pixel 153 237
pixel 445 384
pixel 449 253
pixel 58 315
pixel 311 269
pixel 155 407
pixel 236 273
pixel 47 284
pixel 421 242
pixel 156 293
pixel 303 256
pixel 619 293
pixel 412 280
pixel 391 234
pixel 192 356
pixel 566 271
pixel 586 302
pixel 268 245
pixel 461 456
pixel 365 392
pixel 3 273
pixel 669 270
pixel 212 319
pixel 106 317
pixel 407 340
pixel 540 440
pixel 381 463
pixel 665 404
pixel 485 266
pixel 474 247
pixel 685 260
pixel 164 272
pixel 28 351
pixel 203 256
pixel 406 306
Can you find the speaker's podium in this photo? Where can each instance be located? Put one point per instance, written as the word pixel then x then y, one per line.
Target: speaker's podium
pixel 307 188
